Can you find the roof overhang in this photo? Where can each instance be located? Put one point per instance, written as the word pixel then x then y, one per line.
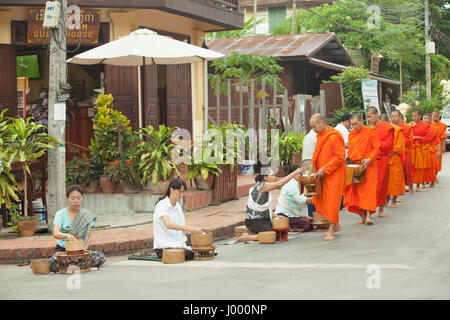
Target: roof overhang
pixel 338 67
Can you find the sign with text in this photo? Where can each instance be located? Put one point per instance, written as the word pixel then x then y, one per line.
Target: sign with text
pixel 375 65
pixel 370 94
pixel 89 23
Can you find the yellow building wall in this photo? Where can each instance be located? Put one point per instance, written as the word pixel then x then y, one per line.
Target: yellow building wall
pixel 124 21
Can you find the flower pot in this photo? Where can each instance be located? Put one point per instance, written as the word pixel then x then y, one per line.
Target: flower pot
pixel 107 185
pixel 91 187
pixel 160 188
pixel 27 227
pixel 204 184
pixel 130 189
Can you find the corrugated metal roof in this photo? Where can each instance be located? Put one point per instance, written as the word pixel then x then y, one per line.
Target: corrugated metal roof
pixel 293 45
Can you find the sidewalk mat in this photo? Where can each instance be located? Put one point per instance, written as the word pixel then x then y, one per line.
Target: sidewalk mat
pixel 250 242
pixel 146 258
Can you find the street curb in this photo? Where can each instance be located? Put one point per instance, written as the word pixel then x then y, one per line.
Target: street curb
pixel 24 254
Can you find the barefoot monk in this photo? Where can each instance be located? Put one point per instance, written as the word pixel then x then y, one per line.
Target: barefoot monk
pixel 363 147
pixel 329 165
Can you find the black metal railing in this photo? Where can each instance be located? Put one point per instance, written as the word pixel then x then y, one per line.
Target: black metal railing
pixel 228 4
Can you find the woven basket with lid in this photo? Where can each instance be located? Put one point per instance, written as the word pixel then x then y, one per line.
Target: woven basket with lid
pixel 173 255
pixel 280 223
pixel 204 239
pixel 267 237
pixel 241 230
pixel 74 246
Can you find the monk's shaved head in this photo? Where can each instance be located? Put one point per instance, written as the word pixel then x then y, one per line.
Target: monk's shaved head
pixel 357 116
pixel 417 115
pixel 356 120
pixel 384 117
pixel 317 123
pixel 396 116
pixel 372 110
pixel 417 111
pixel 435 117
pixel 398 112
pixel 427 117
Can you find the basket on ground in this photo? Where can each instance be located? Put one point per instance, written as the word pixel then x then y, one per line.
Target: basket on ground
pixel 267 237
pixel 73 263
pixel 204 239
pixel 173 255
pixel 241 230
pixel 203 253
pixel 40 266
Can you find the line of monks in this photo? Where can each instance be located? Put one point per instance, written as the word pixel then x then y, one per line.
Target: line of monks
pixel 393 156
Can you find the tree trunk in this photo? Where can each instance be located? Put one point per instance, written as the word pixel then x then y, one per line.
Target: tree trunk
pixel 25 193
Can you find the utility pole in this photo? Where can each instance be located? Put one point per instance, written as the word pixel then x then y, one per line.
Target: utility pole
pixel 294 15
pixel 56 116
pixel 254 16
pixel 427 38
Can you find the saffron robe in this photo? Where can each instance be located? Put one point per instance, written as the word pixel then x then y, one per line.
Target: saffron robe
pixel 429 174
pixel 363 144
pixel 396 181
pixel 330 155
pixel 407 157
pixel 386 134
pixel 420 160
pixel 442 127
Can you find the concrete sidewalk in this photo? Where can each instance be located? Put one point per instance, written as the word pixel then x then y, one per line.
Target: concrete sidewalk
pixel 221 219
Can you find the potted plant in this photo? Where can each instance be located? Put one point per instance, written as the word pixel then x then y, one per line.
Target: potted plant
pixel 113 136
pixel 125 174
pixel 84 172
pixel 155 166
pixel 24 224
pixel 201 170
pixel 289 144
pixel 27 142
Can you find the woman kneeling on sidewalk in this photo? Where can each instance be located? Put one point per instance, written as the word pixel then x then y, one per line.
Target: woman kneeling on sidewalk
pixel 259 211
pixel 169 223
pixel 72 223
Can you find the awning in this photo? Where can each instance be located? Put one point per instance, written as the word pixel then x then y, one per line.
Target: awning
pixel 339 67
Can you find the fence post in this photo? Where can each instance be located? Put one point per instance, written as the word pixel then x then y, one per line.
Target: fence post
pixel 241 103
pixel 218 100
pixel 251 117
pixel 229 100
pixel 262 110
pixel 274 106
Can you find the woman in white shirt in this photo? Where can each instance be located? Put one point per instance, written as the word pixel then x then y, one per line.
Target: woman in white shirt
pixel 169 223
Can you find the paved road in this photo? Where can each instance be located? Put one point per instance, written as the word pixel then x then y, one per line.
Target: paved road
pixel 403 256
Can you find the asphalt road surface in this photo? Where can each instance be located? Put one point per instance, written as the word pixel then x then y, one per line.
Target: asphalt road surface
pixel 403 256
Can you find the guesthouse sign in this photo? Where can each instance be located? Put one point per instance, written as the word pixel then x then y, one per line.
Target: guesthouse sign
pixel 89 27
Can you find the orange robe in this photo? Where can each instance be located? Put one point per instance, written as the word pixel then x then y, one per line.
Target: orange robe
pixel 429 174
pixel 396 182
pixel 363 144
pixel 420 157
pixel 442 127
pixel 386 134
pixel 330 155
pixel 407 157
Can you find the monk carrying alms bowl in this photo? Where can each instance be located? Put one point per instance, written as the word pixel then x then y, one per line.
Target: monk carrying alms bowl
pixel 355 174
pixel 311 183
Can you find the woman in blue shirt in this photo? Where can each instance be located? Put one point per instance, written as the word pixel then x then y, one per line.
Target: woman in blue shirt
pixel 72 223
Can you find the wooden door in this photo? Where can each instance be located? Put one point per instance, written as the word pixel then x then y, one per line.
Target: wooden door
pixel 8 80
pixel 122 83
pixel 179 103
pixel 151 104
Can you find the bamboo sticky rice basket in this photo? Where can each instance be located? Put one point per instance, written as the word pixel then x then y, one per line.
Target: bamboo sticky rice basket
pixel 204 239
pixel 267 237
pixel 172 256
pixel 40 266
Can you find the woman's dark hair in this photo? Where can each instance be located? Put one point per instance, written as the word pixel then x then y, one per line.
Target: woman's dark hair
pixel 174 184
pixel 72 188
pixel 261 172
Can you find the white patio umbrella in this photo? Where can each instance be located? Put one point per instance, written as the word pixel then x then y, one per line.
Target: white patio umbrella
pixel 145 47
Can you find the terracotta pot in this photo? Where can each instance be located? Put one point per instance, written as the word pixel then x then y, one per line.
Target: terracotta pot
pixel 107 185
pixel 91 187
pixel 130 189
pixel 204 184
pixel 160 188
pixel 27 227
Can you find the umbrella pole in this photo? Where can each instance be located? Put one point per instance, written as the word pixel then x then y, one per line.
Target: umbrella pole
pixel 140 95
pixel 205 93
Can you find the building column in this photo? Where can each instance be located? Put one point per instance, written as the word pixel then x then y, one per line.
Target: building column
pixel 197 88
pixel 5 25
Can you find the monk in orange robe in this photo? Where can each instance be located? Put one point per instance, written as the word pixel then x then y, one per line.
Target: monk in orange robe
pixel 442 127
pixel 363 148
pixel 386 134
pixel 421 135
pixel 398 119
pixel 329 164
pixel 433 148
pixel 396 180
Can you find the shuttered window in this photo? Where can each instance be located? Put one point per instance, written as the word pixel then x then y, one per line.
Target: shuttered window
pixel 276 16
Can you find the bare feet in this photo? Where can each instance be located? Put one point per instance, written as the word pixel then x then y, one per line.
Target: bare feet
pixel 337 228
pixel 411 189
pixel 381 212
pixel 245 237
pixel 432 185
pixel 328 237
pixel 368 220
pixel 363 219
